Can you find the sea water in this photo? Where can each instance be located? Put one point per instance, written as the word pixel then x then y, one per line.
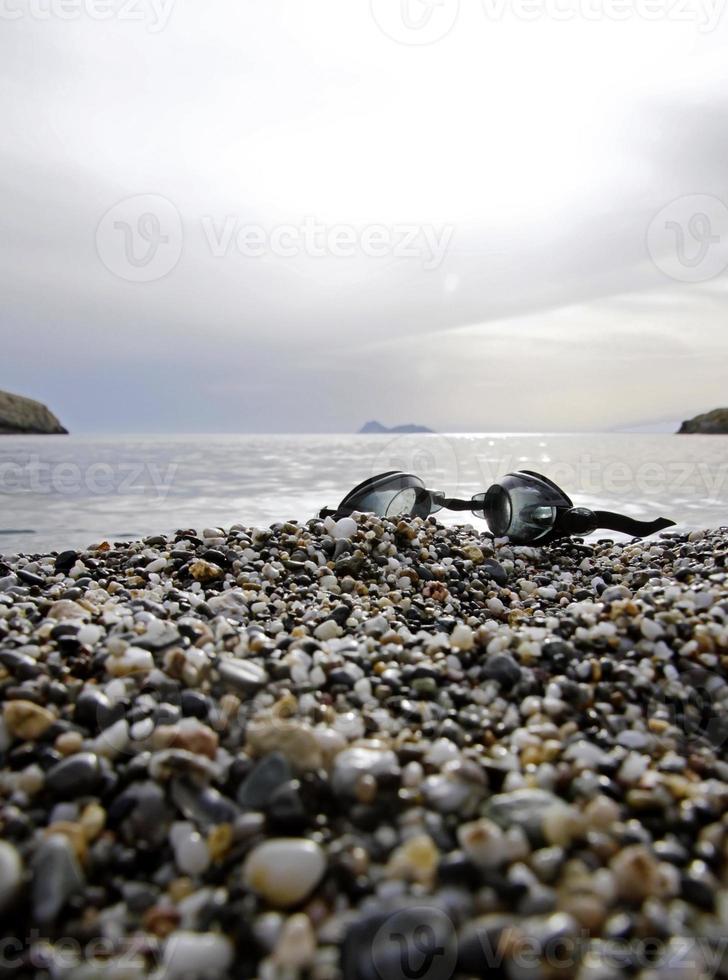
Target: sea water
pixel 59 492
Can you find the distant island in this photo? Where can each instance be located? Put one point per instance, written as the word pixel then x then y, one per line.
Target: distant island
pixel 376 428
pixel 24 416
pixel 713 423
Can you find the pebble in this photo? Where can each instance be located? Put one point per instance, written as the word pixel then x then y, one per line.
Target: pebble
pixel 296 945
pixel 345 527
pixel 268 775
pixel 294 740
pixel 651 629
pixel 241 675
pixel 525 808
pixel 76 775
pixel 283 871
pixel 66 609
pixel 190 850
pixel 328 630
pixel 56 876
pixel 132 660
pixel 503 668
pixel 351 764
pixel 484 843
pixel 198 955
pixel 253 768
pixel 11 874
pixel 414 860
pixel 27 720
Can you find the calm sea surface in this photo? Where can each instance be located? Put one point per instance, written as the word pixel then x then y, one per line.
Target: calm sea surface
pixel 61 492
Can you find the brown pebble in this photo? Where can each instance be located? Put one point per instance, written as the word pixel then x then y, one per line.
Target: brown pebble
pixel 198 739
pixel 219 841
pixel 27 720
pixel 180 888
pixel 75 834
pixel 93 821
pixel 366 789
pixel 68 743
pixel 161 920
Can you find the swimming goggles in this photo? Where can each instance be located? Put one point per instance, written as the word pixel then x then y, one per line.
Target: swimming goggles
pixel 524 506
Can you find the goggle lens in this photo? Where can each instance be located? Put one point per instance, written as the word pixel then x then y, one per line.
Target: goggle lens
pixel 414 502
pixel 516 512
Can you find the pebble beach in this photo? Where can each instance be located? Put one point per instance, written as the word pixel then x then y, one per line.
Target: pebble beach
pixel 365 750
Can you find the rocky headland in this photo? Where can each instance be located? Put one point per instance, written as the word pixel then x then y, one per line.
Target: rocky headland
pixel 24 416
pixel 710 423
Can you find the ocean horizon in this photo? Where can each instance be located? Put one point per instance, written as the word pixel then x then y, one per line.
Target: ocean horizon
pixel 69 492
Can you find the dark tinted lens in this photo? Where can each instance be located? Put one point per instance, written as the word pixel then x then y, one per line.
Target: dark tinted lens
pixel 375 496
pixel 412 501
pixel 497 506
pixel 403 503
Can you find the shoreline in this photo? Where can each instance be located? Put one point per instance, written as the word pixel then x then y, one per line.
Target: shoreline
pixel 264 752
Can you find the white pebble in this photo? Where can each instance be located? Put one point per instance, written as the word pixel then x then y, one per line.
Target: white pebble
pixel 190 849
pixel 89 634
pixel 213 532
pixel 633 767
pixel 296 946
pixel 202 955
pixel 651 629
pixel 462 637
pixel 344 528
pixel 483 843
pixel 328 630
pixel 284 870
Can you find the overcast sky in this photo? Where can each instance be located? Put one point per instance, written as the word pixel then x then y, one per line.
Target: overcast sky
pixel 296 215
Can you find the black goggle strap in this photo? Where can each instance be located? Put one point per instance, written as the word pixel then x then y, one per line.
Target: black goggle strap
pixel 628 525
pixel 579 520
pixel 452 503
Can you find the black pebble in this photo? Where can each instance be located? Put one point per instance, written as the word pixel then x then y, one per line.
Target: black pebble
pixel 77 775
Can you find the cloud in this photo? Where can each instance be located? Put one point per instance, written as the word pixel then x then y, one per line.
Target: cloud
pixel 545 150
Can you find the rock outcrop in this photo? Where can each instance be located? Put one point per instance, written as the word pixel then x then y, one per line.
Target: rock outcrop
pixel 713 423
pixel 23 416
pixel 377 428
